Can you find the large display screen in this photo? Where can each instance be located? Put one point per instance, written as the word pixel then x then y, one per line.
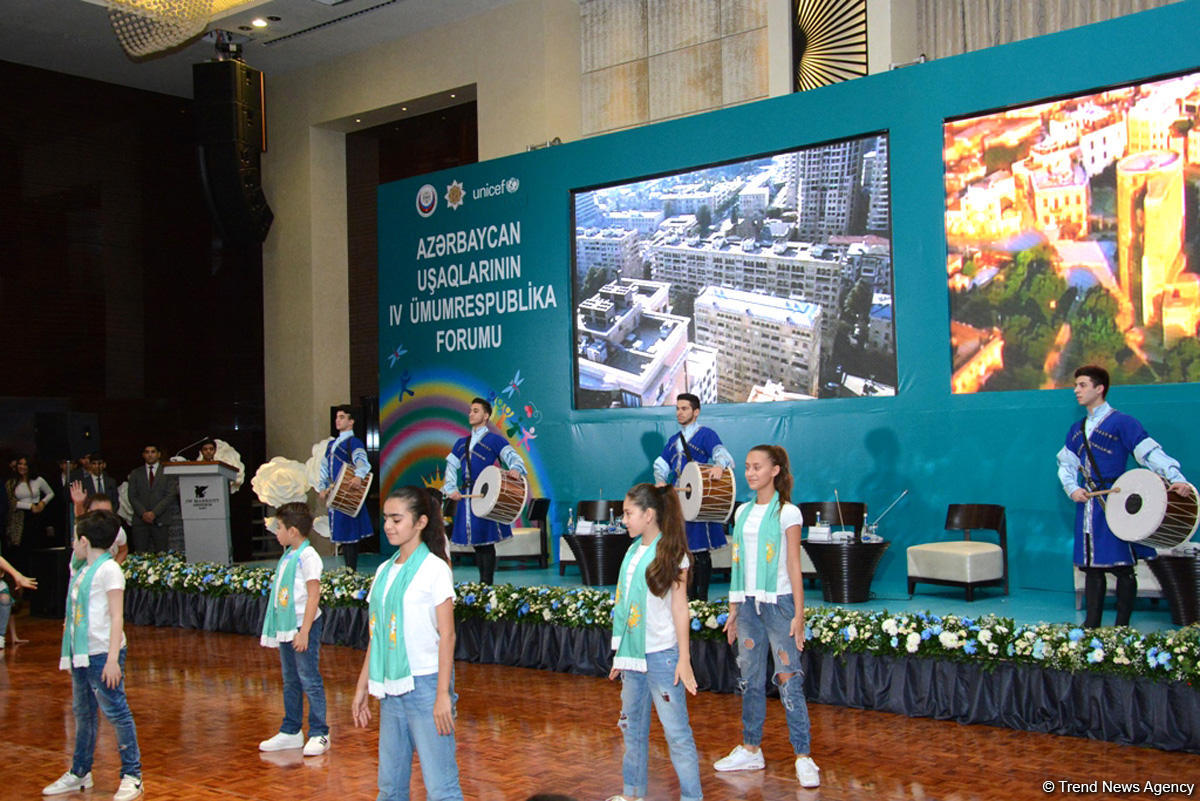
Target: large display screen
pixel 763 279
pixel 1072 238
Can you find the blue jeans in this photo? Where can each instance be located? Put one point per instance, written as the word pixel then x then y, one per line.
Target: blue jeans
pixel 757 625
pixel 6 603
pixel 301 677
pixel 670 701
pixel 90 692
pixel 405 724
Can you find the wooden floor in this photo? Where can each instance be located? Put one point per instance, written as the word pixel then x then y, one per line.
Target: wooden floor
pixel 203 701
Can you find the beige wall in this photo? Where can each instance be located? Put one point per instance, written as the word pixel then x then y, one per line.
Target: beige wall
pixel 524 61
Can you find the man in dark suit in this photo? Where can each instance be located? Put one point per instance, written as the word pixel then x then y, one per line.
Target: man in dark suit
pixel 98 481
pixel 154 497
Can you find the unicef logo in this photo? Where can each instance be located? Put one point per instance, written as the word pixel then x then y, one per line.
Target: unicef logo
pixel 427 198
pixel 512 185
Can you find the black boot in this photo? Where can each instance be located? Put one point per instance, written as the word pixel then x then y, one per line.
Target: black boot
pixel 485 557
pixel 1094 586
pixel 701 576
pixel 1126 594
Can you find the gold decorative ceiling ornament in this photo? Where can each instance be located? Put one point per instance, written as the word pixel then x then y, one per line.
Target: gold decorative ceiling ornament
pixel 829 42
pixel 145 27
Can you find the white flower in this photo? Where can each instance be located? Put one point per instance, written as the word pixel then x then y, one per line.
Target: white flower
pixel 228 454
pixel 280 481
pixel 912 642
pixel 985 636
pixel 711 622
pixel 890 628
pixel 312 468
pixel 948 639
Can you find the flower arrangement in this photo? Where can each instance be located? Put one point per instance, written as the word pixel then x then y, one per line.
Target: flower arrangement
pixel 229 455
pixel 312 467
pixel 1172 655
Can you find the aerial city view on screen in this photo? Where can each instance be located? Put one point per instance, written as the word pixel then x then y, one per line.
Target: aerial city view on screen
pixel 768 279
pixel 1073 237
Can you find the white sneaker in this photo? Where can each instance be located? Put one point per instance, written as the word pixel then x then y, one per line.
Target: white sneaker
pixel 807 772
pixel 131 788
pixel 621 798
pixel 316 745
pixel 68 783
pixel 282 742
pixel 741 758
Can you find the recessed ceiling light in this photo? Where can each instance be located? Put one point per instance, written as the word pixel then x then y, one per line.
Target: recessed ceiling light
pixel 404 108
pixel 452 95
pixel 258 22
pixel 358 119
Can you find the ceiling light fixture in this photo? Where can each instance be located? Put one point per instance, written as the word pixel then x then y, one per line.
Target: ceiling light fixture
pixel 144 27
pixel 258 22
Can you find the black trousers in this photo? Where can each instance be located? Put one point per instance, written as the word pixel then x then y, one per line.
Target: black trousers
pixel 701 576
pixel 485 557
pixel 1095 585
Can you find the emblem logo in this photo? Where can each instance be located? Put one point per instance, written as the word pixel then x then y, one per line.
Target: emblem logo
pixel 426 200
pixel 455 195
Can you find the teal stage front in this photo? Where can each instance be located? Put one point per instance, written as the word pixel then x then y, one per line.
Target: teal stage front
pixel 447 335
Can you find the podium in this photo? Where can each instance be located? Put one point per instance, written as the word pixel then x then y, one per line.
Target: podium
pixel 204 506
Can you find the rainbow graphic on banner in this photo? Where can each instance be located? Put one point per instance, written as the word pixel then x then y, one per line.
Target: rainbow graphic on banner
pixel 421 416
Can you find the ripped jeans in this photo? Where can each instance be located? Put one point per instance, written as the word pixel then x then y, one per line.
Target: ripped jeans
pixel 670 701
pixel 757 626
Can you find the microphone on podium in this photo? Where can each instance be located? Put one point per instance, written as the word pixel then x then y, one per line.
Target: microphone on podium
pixel 178 457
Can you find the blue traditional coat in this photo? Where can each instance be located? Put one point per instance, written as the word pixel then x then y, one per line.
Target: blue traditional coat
pixel 469 529
pixel 343 527
pixel 700 448
pixel 1113 441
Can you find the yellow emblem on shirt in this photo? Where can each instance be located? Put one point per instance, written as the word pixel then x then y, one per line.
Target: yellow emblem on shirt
pixel 734 554
pixel 770 552
pixel 283 596
pixel 392 629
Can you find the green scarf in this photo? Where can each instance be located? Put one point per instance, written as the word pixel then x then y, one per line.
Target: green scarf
pixel 766 572
pixel 388 672
pixel 75 630
pixel 279 624
pixel 629 612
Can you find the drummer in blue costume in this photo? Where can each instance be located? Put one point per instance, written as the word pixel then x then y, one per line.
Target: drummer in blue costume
pixel 346 449
pixel 695 443
pixel 485 448
pixel 1098 449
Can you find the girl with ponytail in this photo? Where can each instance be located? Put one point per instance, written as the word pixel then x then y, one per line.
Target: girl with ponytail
pixel 650 637
pixel 409 664
pixel 766 608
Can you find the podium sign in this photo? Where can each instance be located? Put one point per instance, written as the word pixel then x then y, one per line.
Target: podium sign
pixel 204 505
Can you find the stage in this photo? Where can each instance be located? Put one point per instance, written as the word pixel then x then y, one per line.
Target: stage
pixel 202 701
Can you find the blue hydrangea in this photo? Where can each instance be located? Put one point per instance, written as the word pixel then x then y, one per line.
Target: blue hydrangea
pixel 1095 656
pixel 469 598
pixel 895 642
pixel 523 609
pixel 554 604
pixel 695 624
pixel 1039 649
pixel 1075 634
pixel 360 594
pixel 808 632
pixel 1164 658
pixel 1095 643
pixel 970 647
pixel 968 622
pixel 926 634
pixel 722 618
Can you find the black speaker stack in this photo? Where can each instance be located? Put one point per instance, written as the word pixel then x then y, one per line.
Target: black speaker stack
pixel 231 137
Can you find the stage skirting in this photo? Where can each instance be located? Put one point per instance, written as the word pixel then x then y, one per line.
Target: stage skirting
pixel 1117 709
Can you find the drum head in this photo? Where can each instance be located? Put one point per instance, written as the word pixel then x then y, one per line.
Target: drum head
pixel 691 490
pixel 487 486
pixel 1135 512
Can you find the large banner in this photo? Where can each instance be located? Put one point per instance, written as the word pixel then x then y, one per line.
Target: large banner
pixel 476 299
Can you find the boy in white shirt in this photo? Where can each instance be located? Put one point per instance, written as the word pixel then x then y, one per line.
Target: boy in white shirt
pixel 93 649
pixel 293 624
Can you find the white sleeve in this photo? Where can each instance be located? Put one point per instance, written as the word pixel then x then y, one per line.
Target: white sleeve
pixel 442 581
pixel 110 576
pixel 512 460
pixel 790 516
pixel 311 564
pixel 450 474
pixel 1068 469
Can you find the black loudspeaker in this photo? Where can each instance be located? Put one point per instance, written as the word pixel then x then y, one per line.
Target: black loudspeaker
pixel 61 434
pixel 231 137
